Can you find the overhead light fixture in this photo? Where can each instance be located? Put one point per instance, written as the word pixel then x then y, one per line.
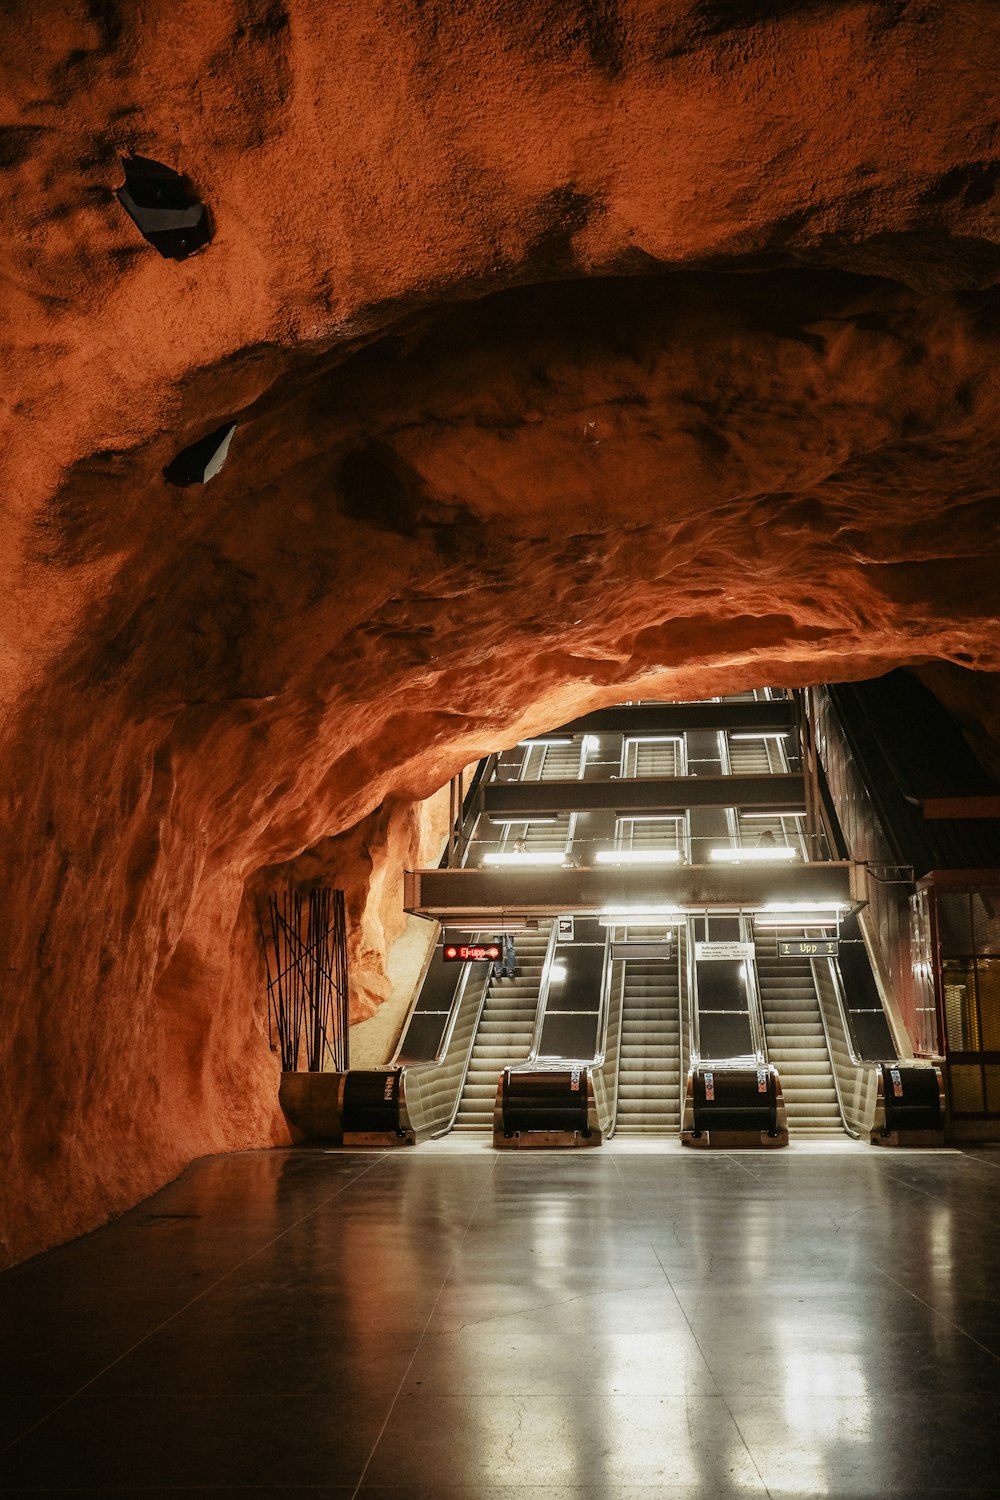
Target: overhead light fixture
pixel 792 919
pixel 637 857
pixel 506 821
pixel 492 922
pixel 772 814
pixel 640 916
pixel 546 739
pixel 762 734
pixel 785 907
pixel 526 857
pixel 659 909
pixel 739 856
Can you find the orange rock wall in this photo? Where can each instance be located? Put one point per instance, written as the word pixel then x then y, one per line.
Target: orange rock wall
pixel 578 352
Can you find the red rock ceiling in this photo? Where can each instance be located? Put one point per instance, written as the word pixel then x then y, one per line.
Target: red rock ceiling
pixel 575 350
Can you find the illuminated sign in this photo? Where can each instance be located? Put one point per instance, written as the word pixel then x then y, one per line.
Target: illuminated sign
pixel 808 948
pixel 471 953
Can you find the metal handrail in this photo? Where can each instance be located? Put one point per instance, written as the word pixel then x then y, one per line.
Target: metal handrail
pixel 694 1028
pixel 418 1072
pixel 415 1000
pixel 543 991
pixel 606 1070
pixel 864 1068
pixel 755 1003
pixel 856 1062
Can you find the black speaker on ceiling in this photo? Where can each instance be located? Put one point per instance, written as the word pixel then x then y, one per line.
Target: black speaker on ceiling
pixel 163 207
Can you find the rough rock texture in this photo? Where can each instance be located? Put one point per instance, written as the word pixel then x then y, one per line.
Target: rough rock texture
pixel 577 351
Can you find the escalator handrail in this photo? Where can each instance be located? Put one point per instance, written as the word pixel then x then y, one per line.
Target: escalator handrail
pixel 691 990
pixel 425 969
pixel 419 1070
pixel 609 1076
pixel 856 1061
pixel 543 995
pixel 755 1000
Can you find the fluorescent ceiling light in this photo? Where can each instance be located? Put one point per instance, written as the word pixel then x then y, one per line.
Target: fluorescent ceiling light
pixel 526 857
pixel 546 739
pixel 492 923
pixel 763 734
pixel 650 817
pixel 639 916
pixel 773 814
pixel 506 820
pixel 636 857
pixel 784 907
pixel 791 919
pixel 739 856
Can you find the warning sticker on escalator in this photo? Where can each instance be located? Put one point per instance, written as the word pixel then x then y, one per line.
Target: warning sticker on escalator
pixel 709 1085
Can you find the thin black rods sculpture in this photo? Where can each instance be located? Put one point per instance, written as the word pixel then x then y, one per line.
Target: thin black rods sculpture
pixel 307 999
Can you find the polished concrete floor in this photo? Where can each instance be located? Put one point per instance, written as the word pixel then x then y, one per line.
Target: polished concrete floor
pixel 457 1324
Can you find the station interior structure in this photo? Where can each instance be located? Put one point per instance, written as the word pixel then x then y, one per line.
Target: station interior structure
pixel 745 920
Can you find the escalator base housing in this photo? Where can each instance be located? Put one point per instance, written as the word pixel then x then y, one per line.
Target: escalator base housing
pixel 545 1108
pixel 733 1105
pixel 535 1140
pixel 910 1110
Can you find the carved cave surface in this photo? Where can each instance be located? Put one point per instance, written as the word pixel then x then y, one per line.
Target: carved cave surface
pixel 578 352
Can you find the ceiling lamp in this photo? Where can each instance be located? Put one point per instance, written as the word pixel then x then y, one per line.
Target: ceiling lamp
pixel 739 856
pixel 526 857
pixel 637 857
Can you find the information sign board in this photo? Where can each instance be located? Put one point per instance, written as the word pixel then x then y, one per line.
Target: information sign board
pixel 742 951
pixel 565 934
pixel 470 953
pixel 808 947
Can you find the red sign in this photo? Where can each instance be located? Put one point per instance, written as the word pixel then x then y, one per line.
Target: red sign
pixel 470 953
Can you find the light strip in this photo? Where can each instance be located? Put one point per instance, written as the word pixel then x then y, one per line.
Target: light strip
pixel 652 924
pixel 741 856
pixel 637 857
pixel 775 814
pixel 546 739
pixel 624 916
pixel 526 857
pixel 507 821
pixel 787 907
pixel 789 919
pixel 763 734
pixel 492 921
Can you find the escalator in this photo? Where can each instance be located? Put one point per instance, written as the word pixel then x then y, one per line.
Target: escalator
pixel 796 1040
pixel 649 1067
pixel 505 1031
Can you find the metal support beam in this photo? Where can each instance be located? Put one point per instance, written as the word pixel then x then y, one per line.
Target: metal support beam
pixel 675 718
pixel 648 794
pixel 546 892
